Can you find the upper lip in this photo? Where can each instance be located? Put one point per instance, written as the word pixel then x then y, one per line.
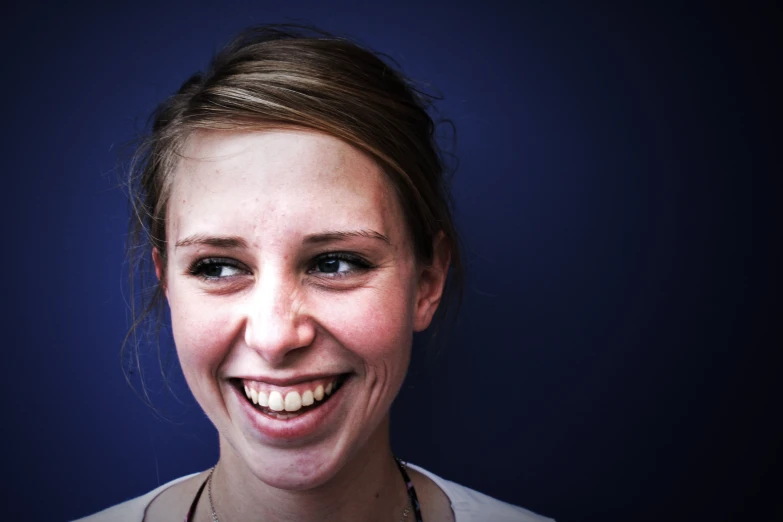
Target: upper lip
pixel 289 380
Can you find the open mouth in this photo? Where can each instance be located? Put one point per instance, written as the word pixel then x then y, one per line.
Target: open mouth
pixel 289 402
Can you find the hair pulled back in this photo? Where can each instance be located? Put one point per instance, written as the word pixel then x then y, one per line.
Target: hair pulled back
pixel 292 76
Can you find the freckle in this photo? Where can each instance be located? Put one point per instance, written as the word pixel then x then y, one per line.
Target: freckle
pixel 377 495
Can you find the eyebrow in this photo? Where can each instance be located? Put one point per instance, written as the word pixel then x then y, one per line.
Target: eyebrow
pixel 215 241
pixel 342 235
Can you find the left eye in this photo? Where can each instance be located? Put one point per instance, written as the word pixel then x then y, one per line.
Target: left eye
pixel 332 266
pixel 338 264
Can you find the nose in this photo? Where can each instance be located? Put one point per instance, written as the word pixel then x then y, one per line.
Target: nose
pixel 276 322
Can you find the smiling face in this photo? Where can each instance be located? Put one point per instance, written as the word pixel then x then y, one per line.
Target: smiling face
pixel 289 267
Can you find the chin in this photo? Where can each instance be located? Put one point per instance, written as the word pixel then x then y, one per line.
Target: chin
pixel 291 469
pixel 295 470
pixel 295 481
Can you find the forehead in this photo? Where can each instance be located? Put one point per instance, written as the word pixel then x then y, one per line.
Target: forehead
pixel 278 182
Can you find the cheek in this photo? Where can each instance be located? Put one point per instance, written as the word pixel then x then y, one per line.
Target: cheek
pixel 375 326
pixel 201 333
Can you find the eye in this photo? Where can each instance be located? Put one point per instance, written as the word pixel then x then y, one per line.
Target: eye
pixel 216 268
pixel 339 264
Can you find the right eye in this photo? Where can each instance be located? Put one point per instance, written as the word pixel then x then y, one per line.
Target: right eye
pixel 215 268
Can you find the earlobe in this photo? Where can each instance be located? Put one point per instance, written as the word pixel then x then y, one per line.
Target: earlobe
pixel 160 270
pixel 432 280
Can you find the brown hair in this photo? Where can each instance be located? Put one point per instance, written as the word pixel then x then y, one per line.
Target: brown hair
pixel 294 76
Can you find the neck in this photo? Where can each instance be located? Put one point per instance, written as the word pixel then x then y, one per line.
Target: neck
pixel 369 487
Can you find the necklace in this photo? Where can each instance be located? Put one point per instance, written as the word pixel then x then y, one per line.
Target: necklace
pixel 401 464
pixel 209 493
pixel 407 510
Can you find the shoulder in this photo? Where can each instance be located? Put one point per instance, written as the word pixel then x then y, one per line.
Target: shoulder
pixel 471 506
pixel 133 510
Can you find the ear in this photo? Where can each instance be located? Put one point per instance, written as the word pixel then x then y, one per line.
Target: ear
pixel 160 270
pixel 432 279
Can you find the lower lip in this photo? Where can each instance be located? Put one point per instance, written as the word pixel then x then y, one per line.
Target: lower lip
pixel 305 425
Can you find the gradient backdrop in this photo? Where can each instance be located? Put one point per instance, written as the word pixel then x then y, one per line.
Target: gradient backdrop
pixel 618 354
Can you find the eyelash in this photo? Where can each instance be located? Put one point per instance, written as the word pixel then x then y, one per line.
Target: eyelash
pixel 360 264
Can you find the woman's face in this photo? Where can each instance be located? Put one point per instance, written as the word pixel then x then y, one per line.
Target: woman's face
pixel 290 274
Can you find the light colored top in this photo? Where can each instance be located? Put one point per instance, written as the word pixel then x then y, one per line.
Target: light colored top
pixel 468 505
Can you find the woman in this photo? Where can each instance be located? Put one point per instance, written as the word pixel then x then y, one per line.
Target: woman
pixel 297 217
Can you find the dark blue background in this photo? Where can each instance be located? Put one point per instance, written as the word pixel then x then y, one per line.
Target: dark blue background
pixel 618 352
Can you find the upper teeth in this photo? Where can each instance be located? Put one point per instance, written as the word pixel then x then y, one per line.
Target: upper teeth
pixel 293 400
pixel 276 401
